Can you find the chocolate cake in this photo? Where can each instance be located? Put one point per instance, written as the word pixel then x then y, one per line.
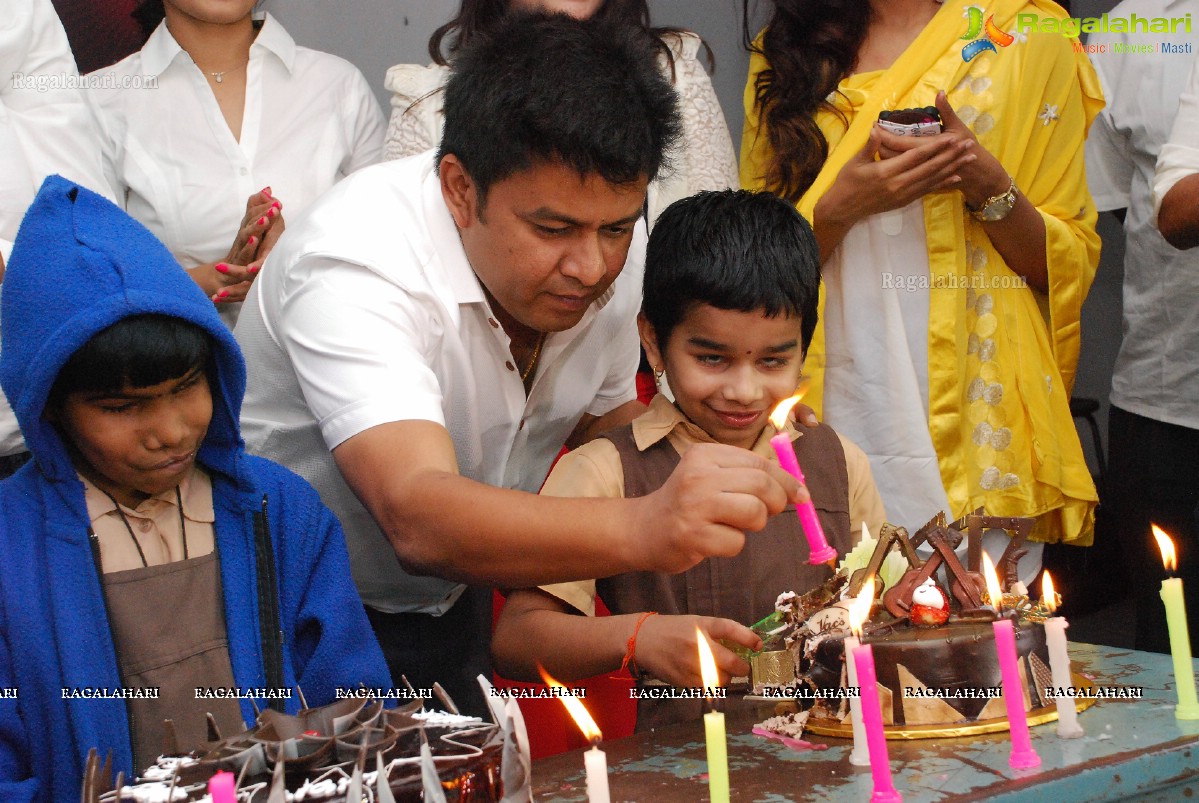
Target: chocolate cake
pixel 931 634
pixel 349 750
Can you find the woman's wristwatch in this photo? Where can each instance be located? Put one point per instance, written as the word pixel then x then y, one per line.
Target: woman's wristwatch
pixel 997 207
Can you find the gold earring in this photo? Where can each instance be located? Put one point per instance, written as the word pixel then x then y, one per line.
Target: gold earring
pixel 658 372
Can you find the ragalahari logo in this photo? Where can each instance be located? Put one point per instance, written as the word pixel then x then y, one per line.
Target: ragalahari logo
pixel 988 31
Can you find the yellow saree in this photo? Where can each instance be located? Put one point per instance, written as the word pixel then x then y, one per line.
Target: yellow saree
pixel 1001 356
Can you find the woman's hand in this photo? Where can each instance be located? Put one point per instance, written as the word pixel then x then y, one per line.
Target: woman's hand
pixel 890 172
pixel 668 650
pixel 982 176
pixel 260 228
pixel 229 280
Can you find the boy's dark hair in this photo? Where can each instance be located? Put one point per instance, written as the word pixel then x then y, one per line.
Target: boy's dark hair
pixel 735 250
pixel 141 350
pixel 545 88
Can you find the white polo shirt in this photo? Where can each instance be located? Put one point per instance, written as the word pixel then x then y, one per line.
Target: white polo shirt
pixel 368 312
pixel 1155 374
pixel 310 119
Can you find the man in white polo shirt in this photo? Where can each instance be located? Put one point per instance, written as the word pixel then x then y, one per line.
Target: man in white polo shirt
pixel 425 338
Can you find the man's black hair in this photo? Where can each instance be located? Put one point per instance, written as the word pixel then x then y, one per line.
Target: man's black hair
pixel 138 351
pixel 551 88
pixel 735 250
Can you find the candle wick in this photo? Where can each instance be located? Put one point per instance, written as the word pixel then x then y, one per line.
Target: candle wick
pixel 595 742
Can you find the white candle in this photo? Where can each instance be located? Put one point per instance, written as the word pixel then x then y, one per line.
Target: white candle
pixel 1059 665
pixel 860 755
pixel 596 763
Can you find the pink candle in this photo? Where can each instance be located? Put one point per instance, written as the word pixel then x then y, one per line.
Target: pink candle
pixel 1023 756
pixel 818 548
pixel 872 719
pixel 221 787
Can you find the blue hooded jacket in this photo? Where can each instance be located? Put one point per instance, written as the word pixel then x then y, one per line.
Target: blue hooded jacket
pixel 79 265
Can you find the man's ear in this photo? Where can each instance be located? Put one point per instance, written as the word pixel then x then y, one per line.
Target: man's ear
pixel 649 342
pixel 459 191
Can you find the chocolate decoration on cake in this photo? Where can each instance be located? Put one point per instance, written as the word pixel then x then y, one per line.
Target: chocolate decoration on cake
pixel 939 646
pixel 323 753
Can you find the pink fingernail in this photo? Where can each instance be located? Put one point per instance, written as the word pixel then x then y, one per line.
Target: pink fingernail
pixel 254 269
pixel 262 221
pixel 221 267
pixel 270 212
pixel 253 239
pixel 266 191
pixel 222 294
pixel 277 205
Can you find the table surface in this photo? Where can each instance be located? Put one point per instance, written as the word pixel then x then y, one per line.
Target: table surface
pixel 1133 749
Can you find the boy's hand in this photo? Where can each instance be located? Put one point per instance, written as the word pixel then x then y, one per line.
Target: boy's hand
pixel 804 415
pixel 667 648
pixel 702 510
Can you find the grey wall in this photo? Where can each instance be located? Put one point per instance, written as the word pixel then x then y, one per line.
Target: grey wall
pixel 374 34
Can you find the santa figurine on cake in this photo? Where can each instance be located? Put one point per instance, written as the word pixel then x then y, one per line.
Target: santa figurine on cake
pixel 930 605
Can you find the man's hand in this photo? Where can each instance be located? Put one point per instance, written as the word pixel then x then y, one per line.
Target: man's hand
pixel 667 648
pixel 714 494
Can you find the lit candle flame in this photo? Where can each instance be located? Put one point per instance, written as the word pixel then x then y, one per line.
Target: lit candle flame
pixel 1169 557
pixel 859 607
pixel 707 663
pixel 994 591
pixel 778 417
pixel 577 712
pixel 1049 596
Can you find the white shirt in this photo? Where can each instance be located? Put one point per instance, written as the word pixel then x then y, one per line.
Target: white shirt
pixel 310 119
pixel 1155 374
pixel 368 312
pixel 703 158
pixel 45 128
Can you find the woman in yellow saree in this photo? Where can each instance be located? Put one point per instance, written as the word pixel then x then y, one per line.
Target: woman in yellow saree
pixel 955 266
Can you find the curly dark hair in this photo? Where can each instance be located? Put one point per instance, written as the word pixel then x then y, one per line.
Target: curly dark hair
pixel 810 46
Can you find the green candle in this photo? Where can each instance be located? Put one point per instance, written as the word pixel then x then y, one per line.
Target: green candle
pixel 718 752
pixel 718 759
pixel 1180 640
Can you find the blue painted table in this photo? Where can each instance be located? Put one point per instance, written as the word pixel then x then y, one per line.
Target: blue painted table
pixel 1133 749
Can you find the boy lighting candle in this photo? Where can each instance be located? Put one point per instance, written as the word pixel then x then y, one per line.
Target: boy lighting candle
pixel 729 305
pixel 818 548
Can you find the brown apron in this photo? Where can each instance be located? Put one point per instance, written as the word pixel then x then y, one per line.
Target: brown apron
pixel 744 587
pixel 168 626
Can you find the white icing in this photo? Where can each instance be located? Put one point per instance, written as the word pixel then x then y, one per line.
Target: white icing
pixel 784 601
pixel 789 725
pixel 436 718
pixel 152 793
pixel 929 595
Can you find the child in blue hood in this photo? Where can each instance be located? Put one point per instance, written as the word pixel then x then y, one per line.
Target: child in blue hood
pixel 150 566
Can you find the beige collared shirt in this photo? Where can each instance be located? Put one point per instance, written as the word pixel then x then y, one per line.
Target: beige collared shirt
pixel 594 470
pixel 155 524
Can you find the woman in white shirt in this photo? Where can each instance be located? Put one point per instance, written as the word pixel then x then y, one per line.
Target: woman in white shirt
pixel 704 158
pixel 218 121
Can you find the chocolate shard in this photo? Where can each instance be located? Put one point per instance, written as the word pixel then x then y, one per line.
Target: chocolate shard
pixel 214 732
pixel 444 698
pixel 170 739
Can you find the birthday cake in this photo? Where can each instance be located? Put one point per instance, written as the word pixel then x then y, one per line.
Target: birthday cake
pixel 931 634
pixel 350 750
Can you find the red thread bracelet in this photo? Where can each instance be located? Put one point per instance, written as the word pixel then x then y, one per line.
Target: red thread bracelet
pixel 631 644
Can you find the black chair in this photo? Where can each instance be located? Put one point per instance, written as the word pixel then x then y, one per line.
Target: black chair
pixel 1086 408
